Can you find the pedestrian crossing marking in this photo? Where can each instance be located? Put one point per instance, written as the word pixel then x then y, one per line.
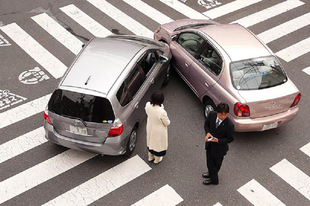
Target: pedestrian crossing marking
pixel 103 184
pixel 185 10
pixel 258 195
pixel 229 8
pixel 285 28
pixel 121 18
pixel 23 111
pixel 22 144
pixel 306 149
pixel 85 21
pixel 294 51
pixel 293 176
pixel 218 204
pixel 58 32
pixel 268 13
pixel 306 70
pixel 166 195
pixel 149 11
pixel 49 62
pixel 42 172
pixel 3 41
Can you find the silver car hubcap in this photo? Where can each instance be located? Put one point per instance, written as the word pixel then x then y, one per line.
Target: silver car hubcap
pixel 132 140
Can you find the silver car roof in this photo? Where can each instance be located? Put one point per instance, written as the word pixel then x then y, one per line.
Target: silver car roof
pixel 238 42
pixel 100 64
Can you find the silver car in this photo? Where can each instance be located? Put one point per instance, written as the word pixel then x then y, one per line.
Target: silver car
pixel 228 63
pixel 99 103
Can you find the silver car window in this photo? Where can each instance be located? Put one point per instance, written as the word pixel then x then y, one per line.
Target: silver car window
pixel 257 73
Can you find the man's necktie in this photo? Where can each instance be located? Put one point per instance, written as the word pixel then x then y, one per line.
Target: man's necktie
pixel 217 123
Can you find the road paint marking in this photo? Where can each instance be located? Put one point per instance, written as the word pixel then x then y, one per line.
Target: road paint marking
pixel 22 144
pixel 8 99
pixel 185 10
pixel 293 176
pixel 149 11
pixel 23 111
pixel 295 51
pixel 258 195
pixel 211 4
pixel 285 28
pixel 3 41
pixel 229 8
pixel 103 184
pixel 307 71
pixel 32 76
pixel 218 204
pixel 58 32
pixel 42 172
pixel 85 21
pixel 49 62
pixel 306 149
pixel 166 195
pixel 268 13
pixel 121 18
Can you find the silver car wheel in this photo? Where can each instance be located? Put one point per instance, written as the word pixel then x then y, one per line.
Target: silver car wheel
pixel 167 78
pixel 132 140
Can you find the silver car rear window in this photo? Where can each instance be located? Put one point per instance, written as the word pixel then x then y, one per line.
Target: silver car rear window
pixel 75 105
pixel 257 73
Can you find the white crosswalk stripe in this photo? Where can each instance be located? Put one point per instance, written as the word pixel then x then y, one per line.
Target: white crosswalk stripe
pixel 166 195
pixel 258 195
pixel 306 149
pixel 85 21
pixel 55 67
pixel 306 70
pixel 293 176
pixel 103 184
pixel 294 51
pixel 58 32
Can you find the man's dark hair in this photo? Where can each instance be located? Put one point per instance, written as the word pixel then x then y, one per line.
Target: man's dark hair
pixel 222 107
pixel 157 98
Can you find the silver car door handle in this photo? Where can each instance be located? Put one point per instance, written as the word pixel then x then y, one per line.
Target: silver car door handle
pixel 136 105
pixel 152 81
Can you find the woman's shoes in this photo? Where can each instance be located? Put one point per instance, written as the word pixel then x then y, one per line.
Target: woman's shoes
pixel 158 159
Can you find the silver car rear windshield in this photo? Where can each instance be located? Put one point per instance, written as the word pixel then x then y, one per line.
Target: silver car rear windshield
pixel 81 106
pixel 257 73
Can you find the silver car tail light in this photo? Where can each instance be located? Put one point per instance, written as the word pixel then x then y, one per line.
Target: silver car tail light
pixel 241 110
pixel 46 117
pixel 116 129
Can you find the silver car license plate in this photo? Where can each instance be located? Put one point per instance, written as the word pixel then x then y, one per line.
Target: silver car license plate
pixel 78 130
pixel 270 126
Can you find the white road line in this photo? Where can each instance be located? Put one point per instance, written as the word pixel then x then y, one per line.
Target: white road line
pixel 55 67
pixel 122 18
pixel 185 10
pixel 42 172
pixel 58 32
pixel 103 184
pixel 218 204
pixel 23 111
pixel 307 71
pixel 285 28
pixel 258 195
pixel 85 21
pixel 306 149
pixel 295 51
pixel 22 144
pixel 149 11
pixel 166 195
pixel 293 176
pixel 229 8
pixel 268 13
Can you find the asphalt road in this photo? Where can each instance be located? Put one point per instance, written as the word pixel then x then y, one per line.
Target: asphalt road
pixel 27 178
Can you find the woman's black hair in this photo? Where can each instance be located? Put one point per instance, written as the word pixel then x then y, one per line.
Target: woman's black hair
pixel 157 98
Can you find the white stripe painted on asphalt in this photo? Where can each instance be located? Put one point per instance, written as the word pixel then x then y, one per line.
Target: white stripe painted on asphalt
pixel 122 18
pixel 22 144
pixel 258 195
pixel 285 28
pixel 307 71
pixel 149 11
pixel 218 204
pixel 166 195
pixel 229 8
pixel 295 51
pixel 42 172
pixel 55 67
pixel 58 32
pixel 293 176
pixel 306 149
pixel 268 13
pixel 103 184
pixel 184 9
pixel 23 111
pixel 85 21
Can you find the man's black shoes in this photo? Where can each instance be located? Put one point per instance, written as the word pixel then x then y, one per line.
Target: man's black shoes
pixel 206 175
pixel 209 182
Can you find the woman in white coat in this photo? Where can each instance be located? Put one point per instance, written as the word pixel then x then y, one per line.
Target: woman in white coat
pixel 156 127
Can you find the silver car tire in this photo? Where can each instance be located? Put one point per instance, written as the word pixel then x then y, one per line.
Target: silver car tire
pixel 208 107
pixel 167 77
pixel 131 144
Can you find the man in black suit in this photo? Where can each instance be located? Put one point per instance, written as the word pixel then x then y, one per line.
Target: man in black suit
pixel 219 132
